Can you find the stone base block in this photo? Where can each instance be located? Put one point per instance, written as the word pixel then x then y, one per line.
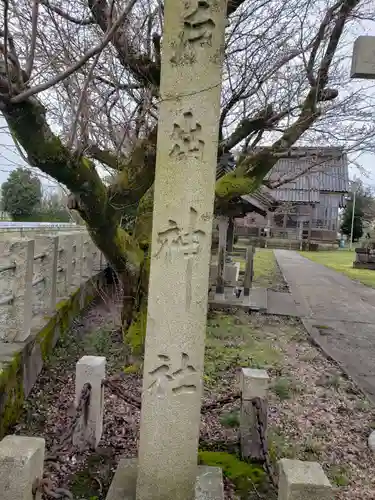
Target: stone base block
pixel 303 480
pixel 209 485
pixel 364 265
pixel 257 301
pixel 231 273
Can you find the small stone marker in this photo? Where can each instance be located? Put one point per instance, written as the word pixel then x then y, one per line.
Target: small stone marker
pixel 21 463
pixel 91 370
pixel 254 384
pixel 303 481
pixel 363 60
pixel 191 74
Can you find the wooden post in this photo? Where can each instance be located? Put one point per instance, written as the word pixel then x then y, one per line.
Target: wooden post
pixel 230 234
pixel 223 227
pixel 249 270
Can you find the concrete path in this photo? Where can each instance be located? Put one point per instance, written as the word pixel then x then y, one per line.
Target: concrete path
pixel 338 313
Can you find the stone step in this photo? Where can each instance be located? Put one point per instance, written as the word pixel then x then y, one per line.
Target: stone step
pixel 209 485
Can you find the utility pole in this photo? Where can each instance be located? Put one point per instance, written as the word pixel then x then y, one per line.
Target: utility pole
pixel 354 189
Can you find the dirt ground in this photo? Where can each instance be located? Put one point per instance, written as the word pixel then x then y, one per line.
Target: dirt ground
pixel 315 413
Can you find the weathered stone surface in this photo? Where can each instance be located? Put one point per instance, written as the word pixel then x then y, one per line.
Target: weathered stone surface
pixel 208 486
pixel 21 462
pixel 46 267
pixel 189 109
pixel 281 304
pixel 91 370
pixel 363 61
pixel 254 383
pixel 231 273
pixel 303 481
pixel 16 316
pixel 258 299
pixel 371 441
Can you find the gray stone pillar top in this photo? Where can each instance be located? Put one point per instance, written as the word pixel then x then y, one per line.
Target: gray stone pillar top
pixel 300 472
pixel 254 383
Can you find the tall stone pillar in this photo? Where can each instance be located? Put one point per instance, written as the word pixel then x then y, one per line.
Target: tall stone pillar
pixel 181 240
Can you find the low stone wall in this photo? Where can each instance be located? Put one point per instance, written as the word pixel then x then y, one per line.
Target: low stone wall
pixel 21 362
pixel 289 244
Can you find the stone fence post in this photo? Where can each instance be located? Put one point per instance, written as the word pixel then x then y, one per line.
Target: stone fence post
pixel 249 270
pixel 254 389
pixel 90 370
pixel 303 481
pixel 47 246
pixel 21 465
pixel 19 311
pixel 86 266
pixel 78 259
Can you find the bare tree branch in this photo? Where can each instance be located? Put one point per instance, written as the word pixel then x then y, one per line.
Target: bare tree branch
pixel 74 67
pixel 65 15
pixel 34 27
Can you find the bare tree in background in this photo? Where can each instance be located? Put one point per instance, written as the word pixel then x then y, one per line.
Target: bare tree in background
pixel 79 83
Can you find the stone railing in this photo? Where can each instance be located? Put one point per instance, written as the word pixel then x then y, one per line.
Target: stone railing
pixel 35 274
pixel 25 472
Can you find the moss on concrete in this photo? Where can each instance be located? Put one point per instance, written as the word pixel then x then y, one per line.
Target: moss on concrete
pixel 11 393
pixel 244 475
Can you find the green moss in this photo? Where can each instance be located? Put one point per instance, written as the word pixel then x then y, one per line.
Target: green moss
pixel 11 394
pixel 62 303
pixel 244 475
pixel 135 368
pixel 83 485
pixel 45 337
pixel 232 185
pixel 143 225
pixel 133 253
pixel 136 333
pixel 231 419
